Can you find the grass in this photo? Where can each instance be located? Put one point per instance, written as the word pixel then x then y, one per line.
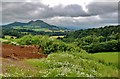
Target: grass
pixel 63 64
pixel 13 71
pixel 72 65
pixel 3 40
pixel 36 28
pixel 41 29
pixel 108 57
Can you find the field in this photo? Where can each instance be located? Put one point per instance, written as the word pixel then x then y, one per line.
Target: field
pixel 109 57
pixel 37 29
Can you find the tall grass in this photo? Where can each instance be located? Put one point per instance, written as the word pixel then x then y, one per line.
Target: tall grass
pixel 109 58
pixel 72 65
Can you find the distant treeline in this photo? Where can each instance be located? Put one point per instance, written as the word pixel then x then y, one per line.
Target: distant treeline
pixel 22 32
pixel 104 39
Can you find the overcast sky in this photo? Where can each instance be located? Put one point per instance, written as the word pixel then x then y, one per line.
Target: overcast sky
pixel 68 13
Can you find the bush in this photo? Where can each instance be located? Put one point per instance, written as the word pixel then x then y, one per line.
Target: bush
pixel 49 45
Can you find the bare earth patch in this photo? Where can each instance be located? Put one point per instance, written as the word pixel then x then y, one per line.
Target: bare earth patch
pixel 15 55
pixel 21 52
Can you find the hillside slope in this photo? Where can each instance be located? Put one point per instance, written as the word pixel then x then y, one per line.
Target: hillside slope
pixel 39 23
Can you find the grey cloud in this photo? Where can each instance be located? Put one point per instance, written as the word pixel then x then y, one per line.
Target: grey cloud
pixel 106 1
pixel 84 22
pixel 25 11
pixel 37 10
pixel 13 0
pixel 109 18
pixel 110 15
pixel 20 0
pixel 99 8
pixel 69 10
pixel 20 10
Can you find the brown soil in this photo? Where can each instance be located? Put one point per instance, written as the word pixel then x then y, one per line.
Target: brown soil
pixel 21 52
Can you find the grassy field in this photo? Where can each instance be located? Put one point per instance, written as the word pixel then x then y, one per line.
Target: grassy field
pixel 72 65
pixel 108 57
pixel 37 29
pixel 32 28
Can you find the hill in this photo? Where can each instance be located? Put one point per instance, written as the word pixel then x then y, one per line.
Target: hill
pixel 39 23
pixel 37 27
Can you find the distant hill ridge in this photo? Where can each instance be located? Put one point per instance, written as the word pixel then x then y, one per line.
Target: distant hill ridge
pixel 39 23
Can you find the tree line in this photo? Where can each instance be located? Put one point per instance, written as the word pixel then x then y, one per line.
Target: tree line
pixel 103 39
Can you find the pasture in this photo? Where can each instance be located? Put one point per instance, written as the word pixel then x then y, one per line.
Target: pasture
pixel 108 57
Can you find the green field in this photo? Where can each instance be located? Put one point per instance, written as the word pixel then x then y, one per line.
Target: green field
pixel 36 28
pixel 66 64
pixel 108 57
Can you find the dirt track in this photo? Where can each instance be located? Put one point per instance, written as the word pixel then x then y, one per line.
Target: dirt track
pixel 21 52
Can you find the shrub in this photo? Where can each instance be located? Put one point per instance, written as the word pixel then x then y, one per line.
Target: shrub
pixel 49 45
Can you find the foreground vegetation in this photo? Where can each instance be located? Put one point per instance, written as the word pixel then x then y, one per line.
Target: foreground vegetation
pixel 48 44
pixel 64 60
pixel 65 64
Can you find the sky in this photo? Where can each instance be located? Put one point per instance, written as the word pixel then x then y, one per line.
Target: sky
pixel 75 14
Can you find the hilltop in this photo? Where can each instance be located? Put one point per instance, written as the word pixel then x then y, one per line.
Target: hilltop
pixel 38 23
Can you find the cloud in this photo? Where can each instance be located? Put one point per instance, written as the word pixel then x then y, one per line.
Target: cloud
pixel 72 15
pixel 25 10
pixel 99 8
pixel 77 22
pixel 106 1
pixel 73 10
pixel 14 0
pixel 21 10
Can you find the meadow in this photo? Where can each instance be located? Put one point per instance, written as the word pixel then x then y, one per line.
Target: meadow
pixel 64 64
pixel 109 57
